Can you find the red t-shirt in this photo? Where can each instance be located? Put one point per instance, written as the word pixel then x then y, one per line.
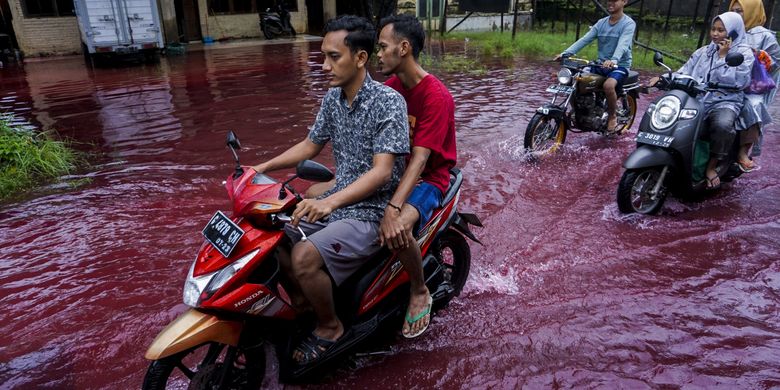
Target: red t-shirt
pixel 431 113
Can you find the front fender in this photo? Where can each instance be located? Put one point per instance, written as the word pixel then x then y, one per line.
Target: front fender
pixel 192 329
pixel 552 111
pixel 648 156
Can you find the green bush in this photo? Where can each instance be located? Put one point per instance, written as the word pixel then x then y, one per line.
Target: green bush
pixel 27 157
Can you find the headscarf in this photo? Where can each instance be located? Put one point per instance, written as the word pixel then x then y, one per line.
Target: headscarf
pixel 752 11
pixel 735 28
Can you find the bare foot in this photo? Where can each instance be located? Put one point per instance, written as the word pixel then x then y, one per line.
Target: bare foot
pixel 418 315
pixel 612 124
pixel 713 180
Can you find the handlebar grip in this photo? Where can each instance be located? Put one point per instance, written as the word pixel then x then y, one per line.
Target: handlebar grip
pixel 716 85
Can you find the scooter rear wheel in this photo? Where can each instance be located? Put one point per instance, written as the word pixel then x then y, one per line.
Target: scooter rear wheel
pixel 271 31
pixel 544 134
pixel 627 114
pixel 454 254
pixel 634 193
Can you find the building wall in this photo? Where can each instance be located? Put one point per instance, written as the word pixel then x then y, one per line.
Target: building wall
pixel 243 25
pixel 45 36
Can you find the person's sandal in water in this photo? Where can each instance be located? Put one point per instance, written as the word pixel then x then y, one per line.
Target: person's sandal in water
pixel 312 348
pixel 422 316
pixel 748 166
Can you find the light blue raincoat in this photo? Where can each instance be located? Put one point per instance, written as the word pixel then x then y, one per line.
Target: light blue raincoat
pixel 705 65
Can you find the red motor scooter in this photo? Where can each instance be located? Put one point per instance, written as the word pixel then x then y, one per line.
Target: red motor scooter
pixel 236 290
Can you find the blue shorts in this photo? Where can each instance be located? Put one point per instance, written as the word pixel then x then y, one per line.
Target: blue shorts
pixel 425 198
pixel 619 74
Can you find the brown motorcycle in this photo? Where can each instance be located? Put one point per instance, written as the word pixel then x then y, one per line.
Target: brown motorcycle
pixel 579 105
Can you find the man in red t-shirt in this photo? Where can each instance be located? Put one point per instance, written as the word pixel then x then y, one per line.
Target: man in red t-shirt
pixel 432 132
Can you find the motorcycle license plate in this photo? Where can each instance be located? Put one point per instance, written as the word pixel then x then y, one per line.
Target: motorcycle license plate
pixel 222 233
pixel 564 89
pixel 654 139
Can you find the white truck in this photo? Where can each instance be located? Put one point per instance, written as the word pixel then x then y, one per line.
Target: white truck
pixel 118 27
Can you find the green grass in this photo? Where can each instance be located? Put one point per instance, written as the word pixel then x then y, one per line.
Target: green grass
pixel 545 45
pixel 28 157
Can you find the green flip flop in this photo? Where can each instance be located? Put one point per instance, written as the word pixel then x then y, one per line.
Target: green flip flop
pixel 412 320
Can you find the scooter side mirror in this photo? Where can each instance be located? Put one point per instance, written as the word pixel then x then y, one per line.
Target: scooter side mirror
pixel 313 171
pixel 233 144
pixel 232 141
pixel 734 59
pixel 658 59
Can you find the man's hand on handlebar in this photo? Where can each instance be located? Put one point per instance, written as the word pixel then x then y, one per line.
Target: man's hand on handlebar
pixel 311 210
pixel 609 64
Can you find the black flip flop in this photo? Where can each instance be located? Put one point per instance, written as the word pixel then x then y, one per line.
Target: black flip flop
pixel 313 348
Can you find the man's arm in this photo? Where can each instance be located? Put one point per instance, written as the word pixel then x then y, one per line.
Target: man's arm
pixel 584 41
pixel 392 228
pixel 303 150
pixel 367 184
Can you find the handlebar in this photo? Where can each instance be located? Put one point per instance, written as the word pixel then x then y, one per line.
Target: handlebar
pixel 693 87
pixel 575 62
pixel 716 85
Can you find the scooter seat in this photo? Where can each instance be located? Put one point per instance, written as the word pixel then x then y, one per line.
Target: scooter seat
pixel 633 78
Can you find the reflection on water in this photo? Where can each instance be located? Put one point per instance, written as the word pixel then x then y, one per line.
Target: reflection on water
pixel 566 291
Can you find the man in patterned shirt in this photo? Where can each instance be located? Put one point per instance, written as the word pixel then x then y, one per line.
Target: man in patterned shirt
pixel 366 123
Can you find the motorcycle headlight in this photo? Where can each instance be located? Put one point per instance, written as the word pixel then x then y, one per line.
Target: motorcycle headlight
pixel 203 287
pixel 564 76
pixel 225 274
pixel 193 287
pixel 665 112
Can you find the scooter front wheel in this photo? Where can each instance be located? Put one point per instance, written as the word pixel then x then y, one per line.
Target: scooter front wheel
pixel 202 367
pixel 639 192
pixel 544 134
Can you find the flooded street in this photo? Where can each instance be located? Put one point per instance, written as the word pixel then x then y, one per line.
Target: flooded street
pixel 566 292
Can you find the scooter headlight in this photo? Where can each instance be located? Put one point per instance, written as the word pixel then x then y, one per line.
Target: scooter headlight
pixel 196 289
pixel 225 274
pixel 665 112
pixel 193 286
pixel 564 76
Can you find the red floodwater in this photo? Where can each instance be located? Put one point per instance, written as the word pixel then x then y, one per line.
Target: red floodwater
pixel 566 292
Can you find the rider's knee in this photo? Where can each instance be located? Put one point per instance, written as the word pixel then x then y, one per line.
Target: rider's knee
pixel 610 85
pixel 304 260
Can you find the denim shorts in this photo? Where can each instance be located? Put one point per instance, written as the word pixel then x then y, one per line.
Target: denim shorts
pixel 619 73
pixel 425 198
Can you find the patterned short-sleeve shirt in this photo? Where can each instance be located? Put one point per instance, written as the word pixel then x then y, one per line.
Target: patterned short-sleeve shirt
pixel 375 123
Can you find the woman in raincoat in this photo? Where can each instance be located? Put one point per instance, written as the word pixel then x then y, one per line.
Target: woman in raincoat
pixel 754 115
pixel 708 64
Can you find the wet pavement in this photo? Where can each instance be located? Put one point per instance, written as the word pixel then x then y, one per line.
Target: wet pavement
pixel 566 292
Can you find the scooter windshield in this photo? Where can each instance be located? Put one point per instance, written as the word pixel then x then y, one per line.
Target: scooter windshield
pixel 260 179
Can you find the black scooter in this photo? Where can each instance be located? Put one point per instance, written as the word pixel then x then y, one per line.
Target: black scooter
pixel 276 23
pixel 670 156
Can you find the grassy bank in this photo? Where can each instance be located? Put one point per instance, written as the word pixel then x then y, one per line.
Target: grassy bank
pixel 545 45
pixel 28 157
